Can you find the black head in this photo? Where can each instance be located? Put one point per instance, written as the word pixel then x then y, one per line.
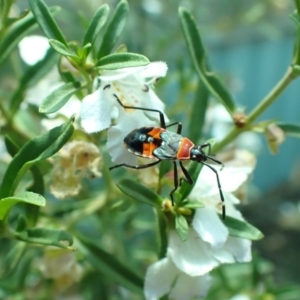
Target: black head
pixel 197 154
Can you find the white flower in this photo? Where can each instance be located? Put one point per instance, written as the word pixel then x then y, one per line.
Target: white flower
pixel 164 278
pixel 133 86
pixel 33 48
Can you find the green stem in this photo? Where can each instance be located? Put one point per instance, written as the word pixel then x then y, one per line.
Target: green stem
pixel 259 109
pixel 297 4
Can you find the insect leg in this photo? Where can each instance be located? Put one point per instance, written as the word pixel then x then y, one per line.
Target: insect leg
pixel 209 157
pixel 220 189
pixel 179 126
pixel 136 166
pixel 161 115
pixel 187 177
pixel 175 182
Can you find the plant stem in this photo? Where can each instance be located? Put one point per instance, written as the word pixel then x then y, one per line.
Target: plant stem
pixel 259 109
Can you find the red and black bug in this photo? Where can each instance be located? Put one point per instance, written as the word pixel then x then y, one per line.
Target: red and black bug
pixel 160 144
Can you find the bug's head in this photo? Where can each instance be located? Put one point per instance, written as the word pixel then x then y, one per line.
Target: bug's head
pixel 197 154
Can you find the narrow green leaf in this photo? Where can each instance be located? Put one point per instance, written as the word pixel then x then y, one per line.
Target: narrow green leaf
pixel 62 49
pixel 38 181
pixel 139 192
pixel 96 24
pixel 197 51
pixel 193 204
pixel 182 227
pixel 241 229
pixel 114 29
pixel 46 236
pixel 162 233
pixel 59 97
pixel 27 197
pixel 107 264
pixel 45 20
pixel 291 129
pixel 16 32
pixel 198 112
pixel 33 151
pixel 121 60
pixel 296 18
pixel 32 75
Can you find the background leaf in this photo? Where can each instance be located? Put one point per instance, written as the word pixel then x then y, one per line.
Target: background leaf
pixel 96 24
pixel 35 150
pixel 182 227
pixel 27 197
pixel 31 76
pixel 59 97
pixel 46 236
pixel 107 264
pixel 114 29
pixel 139 192
pixel 194 43
pixel 45 20
pixel 121 60
pixel 241 229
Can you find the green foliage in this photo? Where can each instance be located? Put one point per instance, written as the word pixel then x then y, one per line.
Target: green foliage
pixel 118 223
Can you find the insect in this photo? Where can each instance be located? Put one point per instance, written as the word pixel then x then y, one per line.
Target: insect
pixel 160 144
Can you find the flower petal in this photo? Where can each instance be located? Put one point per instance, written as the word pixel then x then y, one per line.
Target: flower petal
pixel 187 287
pixel 192 256
pixel 155 69
pixel 95 112
pixel 240 248
pixel 210 228
pixel 159 278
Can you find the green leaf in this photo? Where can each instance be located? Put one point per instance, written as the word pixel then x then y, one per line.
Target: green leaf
pixel 38 181
pixel 106 264
pixel 62 49
pixel 59 97
pixel 241 229
pixel 16 32
pixel 139 192
pixel 27 197
pixel 96 24
pixel 46 22
pixel 193 204
pixel 32 75
pixel 194 43
pixel 296 18
pixel 33 151
pixel 291 129
pixel 46 236
pixel 114 29
pixel 121 60
pixel 182 227
pixel 198 112
pixel 162 233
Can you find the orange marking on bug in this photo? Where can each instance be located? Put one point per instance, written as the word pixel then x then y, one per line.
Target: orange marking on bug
pixel 184 149
pixel 148 148
pixel 155 132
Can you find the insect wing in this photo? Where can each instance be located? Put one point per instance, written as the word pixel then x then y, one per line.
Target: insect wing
pixel 169 145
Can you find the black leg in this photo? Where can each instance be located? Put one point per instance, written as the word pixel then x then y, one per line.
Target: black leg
pixel 137 167
pixel 175 182
pixel 179 126
pixel 206 145
pixel 187 177
pixel 220 189
pixel 161 115
pixel 209 157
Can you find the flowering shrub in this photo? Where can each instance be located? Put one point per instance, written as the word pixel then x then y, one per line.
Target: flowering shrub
pixel 119 235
